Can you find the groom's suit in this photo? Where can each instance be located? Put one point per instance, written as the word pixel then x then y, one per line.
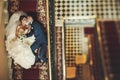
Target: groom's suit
pixel 40 40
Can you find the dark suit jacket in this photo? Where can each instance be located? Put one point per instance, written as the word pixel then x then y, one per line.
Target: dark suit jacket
pixel 38 31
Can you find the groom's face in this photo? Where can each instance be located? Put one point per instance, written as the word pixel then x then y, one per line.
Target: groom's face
pixel 29 19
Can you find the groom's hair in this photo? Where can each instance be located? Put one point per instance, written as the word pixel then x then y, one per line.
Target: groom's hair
pixel 21 17
pixel 32 14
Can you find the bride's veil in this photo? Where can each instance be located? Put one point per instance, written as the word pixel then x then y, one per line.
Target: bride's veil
pixel 12 24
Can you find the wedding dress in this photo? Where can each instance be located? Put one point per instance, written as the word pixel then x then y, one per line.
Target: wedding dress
pixel 19 49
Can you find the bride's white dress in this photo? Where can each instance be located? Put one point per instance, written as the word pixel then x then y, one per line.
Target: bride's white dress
pixel 19 49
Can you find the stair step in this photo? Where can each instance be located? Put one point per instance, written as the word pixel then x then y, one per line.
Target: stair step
pixel 38 71
pixel 31 74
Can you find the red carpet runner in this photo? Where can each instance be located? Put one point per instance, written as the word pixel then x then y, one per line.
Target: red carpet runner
pixel 38 71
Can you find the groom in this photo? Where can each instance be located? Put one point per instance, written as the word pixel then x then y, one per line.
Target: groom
pixel 40 39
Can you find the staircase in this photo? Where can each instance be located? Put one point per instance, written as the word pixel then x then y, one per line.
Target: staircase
pixel 94 62
pixel 110 38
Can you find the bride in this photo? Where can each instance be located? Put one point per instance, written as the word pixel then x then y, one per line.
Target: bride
pixel 17 45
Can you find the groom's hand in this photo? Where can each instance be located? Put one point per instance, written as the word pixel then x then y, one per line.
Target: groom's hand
pixel 28 28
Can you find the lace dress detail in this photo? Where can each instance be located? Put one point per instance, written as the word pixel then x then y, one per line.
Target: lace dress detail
pixel 20 51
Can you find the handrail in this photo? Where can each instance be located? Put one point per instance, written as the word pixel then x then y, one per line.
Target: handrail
pixel 102 52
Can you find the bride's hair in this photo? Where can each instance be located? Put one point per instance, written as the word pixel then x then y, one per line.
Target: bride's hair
pixel 21 17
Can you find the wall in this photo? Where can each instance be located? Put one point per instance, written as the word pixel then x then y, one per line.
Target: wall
pixel 3 59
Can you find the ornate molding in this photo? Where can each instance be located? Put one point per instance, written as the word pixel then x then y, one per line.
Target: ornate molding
pixel 13 6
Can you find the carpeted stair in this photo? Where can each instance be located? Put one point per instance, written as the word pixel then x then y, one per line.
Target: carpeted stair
pixel 37 72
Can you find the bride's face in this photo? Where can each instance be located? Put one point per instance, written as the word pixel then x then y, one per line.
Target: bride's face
pixel 24 21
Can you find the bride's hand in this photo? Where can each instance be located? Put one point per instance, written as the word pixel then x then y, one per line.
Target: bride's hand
pixel 14 39
pixel 27 30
